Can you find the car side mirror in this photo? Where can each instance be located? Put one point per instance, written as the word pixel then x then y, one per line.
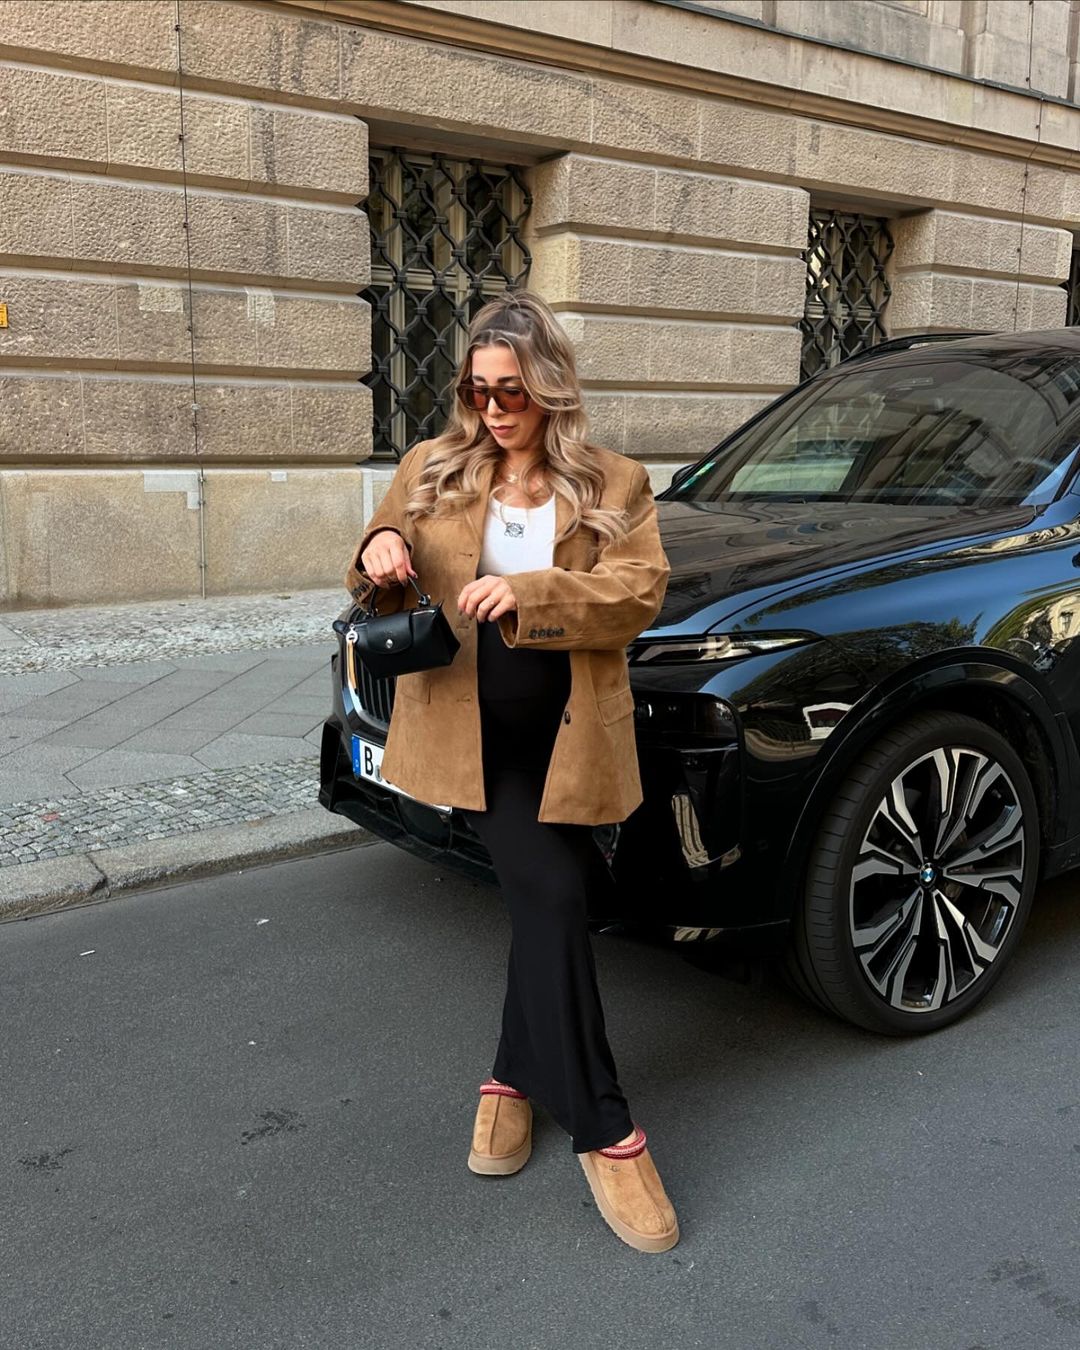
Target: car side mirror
pixel 680 475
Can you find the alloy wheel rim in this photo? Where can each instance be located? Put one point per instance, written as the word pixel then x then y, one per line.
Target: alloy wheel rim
pixel 938 879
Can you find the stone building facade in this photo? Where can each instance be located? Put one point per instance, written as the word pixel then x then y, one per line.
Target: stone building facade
pixel 211 353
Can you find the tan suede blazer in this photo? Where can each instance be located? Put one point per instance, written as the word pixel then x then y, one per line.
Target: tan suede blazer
pixel 591 603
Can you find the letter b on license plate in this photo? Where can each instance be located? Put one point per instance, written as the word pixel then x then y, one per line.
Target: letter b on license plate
pixel 366 760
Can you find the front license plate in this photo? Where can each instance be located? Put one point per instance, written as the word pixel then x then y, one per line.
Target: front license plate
pixel 367 764
pixel 367 761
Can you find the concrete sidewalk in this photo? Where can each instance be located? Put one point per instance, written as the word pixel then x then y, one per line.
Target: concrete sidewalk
pixel 144 742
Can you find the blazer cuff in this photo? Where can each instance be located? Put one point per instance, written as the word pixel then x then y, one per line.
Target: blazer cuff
pixel 357 582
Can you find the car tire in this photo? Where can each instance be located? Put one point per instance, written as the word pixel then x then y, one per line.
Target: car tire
pixel 903 944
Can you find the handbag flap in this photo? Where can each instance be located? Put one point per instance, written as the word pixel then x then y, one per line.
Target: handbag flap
pixel 391 633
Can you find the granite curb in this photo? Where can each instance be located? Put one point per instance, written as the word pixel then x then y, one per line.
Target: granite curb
pixel 27 889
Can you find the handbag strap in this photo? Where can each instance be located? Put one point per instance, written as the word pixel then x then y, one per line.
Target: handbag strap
pixel 372 612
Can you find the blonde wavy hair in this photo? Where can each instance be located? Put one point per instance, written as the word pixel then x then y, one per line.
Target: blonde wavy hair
pixel 456 460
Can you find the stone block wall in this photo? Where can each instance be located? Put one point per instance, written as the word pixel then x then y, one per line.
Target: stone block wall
pixel 145 273
pixel 1014 42
pixel 667 232
pixel 954 271
pixel 680 290
pixel 179 377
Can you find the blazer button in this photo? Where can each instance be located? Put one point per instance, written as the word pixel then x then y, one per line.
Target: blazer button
pixel 566 717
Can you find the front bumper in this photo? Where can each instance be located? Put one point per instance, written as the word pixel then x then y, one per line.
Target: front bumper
pixel 670 864
pixel 420 829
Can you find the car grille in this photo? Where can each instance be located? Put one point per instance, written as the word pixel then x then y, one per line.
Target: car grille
pixel 374 695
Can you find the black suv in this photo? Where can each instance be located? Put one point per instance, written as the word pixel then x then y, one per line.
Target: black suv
pixel 858 713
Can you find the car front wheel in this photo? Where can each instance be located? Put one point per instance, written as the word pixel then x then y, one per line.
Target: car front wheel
pixel 921 877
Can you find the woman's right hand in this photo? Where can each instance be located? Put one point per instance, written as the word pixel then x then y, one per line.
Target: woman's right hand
pixel 386 559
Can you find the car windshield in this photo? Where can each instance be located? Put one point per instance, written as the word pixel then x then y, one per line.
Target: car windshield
pixel 986 429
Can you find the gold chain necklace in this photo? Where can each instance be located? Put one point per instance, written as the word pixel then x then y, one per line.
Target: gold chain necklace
pixel 515 528
pixel 504 475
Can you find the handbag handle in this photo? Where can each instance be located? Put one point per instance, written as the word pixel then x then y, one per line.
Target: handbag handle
pixel 373 613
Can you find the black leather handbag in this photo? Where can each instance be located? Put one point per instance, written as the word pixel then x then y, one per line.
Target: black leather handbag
pixel 397 644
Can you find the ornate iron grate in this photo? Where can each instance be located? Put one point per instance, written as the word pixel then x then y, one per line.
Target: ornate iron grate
pixel 1072 291
pixel 445 238
pixel 846 287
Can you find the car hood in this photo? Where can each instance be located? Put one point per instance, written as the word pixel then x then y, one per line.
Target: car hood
pixel 725 557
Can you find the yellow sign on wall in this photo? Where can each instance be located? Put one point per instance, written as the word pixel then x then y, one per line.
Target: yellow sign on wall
pixel 3 315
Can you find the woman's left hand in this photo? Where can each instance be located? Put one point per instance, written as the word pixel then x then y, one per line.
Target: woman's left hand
pixel 486 598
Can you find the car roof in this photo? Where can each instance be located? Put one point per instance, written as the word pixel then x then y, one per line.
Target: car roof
pixel 937 346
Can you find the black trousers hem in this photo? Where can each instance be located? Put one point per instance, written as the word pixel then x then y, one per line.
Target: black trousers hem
pixel 578 1144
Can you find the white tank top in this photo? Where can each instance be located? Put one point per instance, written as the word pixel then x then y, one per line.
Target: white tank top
pixel 517 538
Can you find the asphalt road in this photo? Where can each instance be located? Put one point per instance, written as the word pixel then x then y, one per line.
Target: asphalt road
pixel 220 1132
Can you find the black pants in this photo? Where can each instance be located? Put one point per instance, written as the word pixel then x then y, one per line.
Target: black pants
pixel 554 1045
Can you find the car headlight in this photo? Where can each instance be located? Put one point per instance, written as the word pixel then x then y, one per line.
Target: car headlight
pixel 714 647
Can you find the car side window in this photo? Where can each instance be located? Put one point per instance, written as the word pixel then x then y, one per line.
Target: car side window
pixel 941 432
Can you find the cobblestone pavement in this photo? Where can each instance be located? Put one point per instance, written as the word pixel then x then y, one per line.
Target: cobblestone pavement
pixel 111 635
pixel 113 817
pixel 122 724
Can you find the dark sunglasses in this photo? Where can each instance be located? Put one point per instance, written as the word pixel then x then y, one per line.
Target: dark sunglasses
pixel 476 396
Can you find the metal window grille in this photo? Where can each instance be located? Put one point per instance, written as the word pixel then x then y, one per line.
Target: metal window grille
pixel 1072 291
pixel 445 238
pixel 846 288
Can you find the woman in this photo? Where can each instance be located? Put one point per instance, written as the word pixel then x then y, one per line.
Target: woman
pixel 551 550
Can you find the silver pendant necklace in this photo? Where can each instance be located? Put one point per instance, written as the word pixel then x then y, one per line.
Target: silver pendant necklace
pixel 515 529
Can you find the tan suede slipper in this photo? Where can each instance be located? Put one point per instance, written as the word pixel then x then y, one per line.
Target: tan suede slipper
pixel 502 1134
pixel 630 1195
